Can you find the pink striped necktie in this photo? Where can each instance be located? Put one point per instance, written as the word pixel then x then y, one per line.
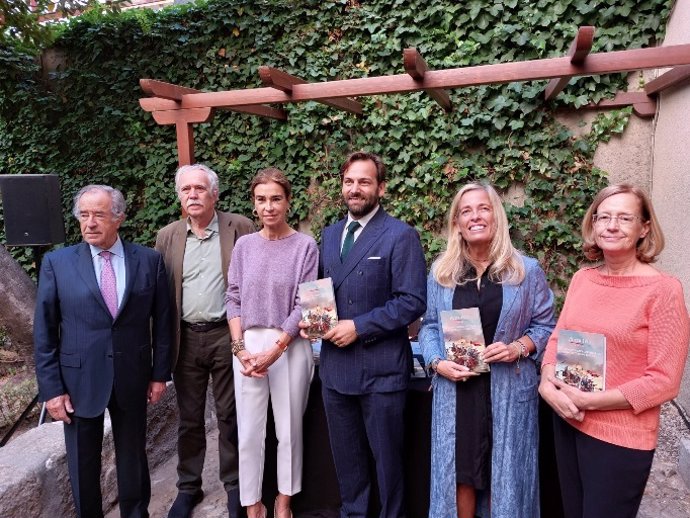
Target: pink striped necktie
pixel 108 283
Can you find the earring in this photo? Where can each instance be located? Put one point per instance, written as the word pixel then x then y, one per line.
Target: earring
pixel 255 213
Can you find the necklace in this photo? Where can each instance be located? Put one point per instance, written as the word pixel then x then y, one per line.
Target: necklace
pixel 278 237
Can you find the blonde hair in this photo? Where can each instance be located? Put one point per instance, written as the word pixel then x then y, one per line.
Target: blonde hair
pixel 453 265
pixel 648 247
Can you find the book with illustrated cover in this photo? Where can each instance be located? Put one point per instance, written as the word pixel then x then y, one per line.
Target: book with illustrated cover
pixel 464 338
pixel 581 360
pixel 317 301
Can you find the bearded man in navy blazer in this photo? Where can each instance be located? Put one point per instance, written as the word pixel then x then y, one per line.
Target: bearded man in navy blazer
pixel 102 338
pixel 378 270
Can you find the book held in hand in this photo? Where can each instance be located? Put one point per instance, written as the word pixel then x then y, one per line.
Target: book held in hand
pixel 581 360
pixel 464 338
pixel 317 301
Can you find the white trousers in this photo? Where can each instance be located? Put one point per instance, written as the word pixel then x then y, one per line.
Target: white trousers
pixel 287 382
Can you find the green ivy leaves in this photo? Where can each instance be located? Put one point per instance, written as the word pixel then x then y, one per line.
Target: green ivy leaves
pixel 85 122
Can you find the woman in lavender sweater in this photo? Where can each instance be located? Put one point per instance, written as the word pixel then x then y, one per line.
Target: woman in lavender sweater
pixel 270 357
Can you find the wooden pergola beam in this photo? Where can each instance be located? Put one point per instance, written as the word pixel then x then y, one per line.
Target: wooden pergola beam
pixel 183 121
pixel 578 51
pixel 416 67
pixel 154 104
pixel 538 69
pixel 668 79
pixel 168 97
pixel 643 105
pixel 156 88
pixel 275 78
pixel 189 116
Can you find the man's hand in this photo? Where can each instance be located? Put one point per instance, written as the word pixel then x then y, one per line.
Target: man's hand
pixel 59 407
pixel 156 391
pixel 303 326
pixel 343 334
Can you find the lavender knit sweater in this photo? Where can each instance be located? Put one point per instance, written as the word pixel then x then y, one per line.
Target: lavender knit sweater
pixel 263 278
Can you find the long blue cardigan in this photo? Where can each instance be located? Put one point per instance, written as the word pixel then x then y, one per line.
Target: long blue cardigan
pixel 527 310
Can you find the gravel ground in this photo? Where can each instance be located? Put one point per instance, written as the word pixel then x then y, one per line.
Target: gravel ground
pixel 666 495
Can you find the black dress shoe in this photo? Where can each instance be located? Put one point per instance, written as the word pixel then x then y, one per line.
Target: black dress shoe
pixel 234 507
pixel 184 503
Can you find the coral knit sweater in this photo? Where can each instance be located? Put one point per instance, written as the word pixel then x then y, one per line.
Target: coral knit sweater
pixel 647 329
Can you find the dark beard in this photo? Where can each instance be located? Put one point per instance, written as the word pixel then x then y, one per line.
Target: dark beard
pixel 366 208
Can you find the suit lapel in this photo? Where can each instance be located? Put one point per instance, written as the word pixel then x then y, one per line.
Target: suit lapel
pixel 88 274
pixel 131 267
pixel 370 235
pixel 178 242
pixel 331 251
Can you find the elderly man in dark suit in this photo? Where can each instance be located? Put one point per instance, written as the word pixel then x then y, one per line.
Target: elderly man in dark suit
pixel 379 276
pixel 197 251
pixel 102 340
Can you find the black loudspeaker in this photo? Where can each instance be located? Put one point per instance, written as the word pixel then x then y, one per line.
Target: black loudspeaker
pixel 32 209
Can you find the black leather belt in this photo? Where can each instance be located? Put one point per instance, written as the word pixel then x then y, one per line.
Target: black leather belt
pixel 204 327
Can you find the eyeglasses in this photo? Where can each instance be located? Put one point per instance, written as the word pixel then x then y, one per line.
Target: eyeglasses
pixel 624 220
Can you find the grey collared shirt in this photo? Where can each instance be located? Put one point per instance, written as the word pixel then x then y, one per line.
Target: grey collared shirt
pixel 203 285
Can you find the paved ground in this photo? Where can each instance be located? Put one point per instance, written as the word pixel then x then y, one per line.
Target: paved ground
pixel 666 495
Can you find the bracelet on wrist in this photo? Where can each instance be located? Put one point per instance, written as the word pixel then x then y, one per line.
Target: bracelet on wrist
pixel 236 346
pixel 434 364
pixel 524 351
pixel 517 350
pixel 282 345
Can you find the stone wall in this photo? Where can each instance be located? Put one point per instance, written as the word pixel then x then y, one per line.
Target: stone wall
pixel 33 468
pixel 671 184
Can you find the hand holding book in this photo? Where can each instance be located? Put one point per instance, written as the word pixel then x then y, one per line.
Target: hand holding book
pixel 319 314
pixel 454 371
pixel 464 338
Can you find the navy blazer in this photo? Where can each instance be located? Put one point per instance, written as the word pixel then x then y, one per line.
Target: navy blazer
pixel 81 350
pixel 382 288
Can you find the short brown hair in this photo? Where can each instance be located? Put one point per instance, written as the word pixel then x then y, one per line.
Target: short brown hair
pixel 648 247
pixel 272 174
pixel 364 155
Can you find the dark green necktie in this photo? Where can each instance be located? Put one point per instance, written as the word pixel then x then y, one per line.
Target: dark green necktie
pixel 349 240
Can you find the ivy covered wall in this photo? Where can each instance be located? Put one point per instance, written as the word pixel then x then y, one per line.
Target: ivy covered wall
pixel 84 121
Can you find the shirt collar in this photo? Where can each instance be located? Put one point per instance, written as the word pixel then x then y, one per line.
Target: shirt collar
pixel 364 219
pixel 117 249
pixel 211 228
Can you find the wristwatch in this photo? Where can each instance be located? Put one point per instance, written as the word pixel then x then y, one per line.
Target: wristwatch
pixel 434 364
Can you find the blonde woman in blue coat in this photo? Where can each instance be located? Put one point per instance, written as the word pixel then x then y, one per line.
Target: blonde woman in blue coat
pixel 484 430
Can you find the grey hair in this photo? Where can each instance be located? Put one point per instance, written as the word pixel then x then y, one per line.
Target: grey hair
pixel 119 205
pixel 210 173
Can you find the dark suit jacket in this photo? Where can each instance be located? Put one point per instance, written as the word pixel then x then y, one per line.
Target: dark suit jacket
pixel 81 350
pixel 382 287
pixel 171 241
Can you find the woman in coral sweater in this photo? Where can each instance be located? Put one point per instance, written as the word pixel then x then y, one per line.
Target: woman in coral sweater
pixel 605 440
